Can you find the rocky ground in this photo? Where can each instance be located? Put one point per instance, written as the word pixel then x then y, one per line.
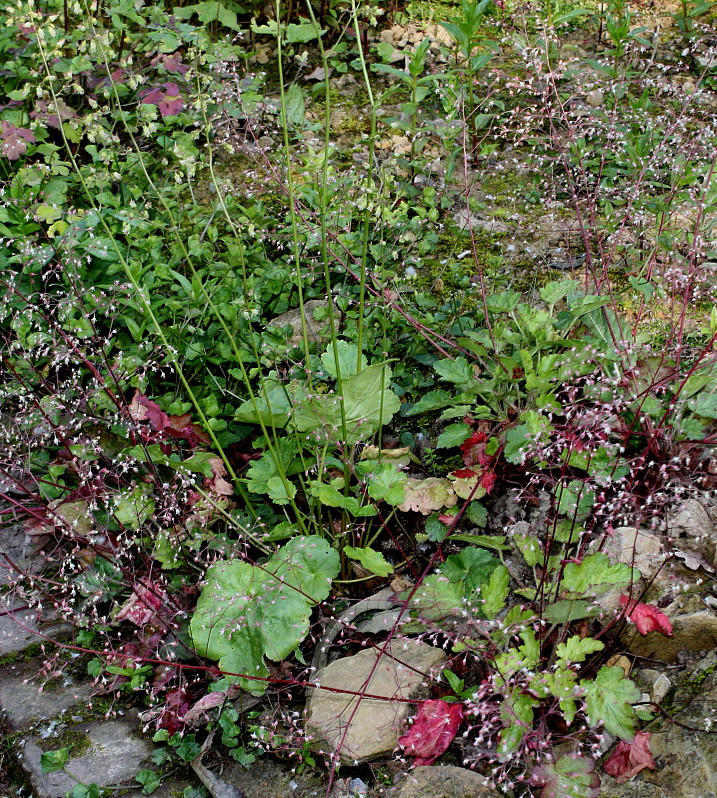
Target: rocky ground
pixel 48 703
pixel 46 707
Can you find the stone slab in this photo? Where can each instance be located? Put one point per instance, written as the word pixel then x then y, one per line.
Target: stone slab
pixel 18 626
pixel 114 752
pixel 25 699
pixel 445 781
pixel 360 728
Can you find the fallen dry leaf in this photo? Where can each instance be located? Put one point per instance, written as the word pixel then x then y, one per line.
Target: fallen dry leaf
pixel 629 759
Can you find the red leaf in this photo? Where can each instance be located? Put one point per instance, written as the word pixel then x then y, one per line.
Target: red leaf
pixel 473 449
pixel 487 481
pixel 167 98
pixel 217 483
pixel 629 759
pixel 174 710
pixel 142 408
pixel 646 617
pixel 172 63
pixel 464 473
pixel 143 605
pixel 14 140
pixel 54 114
pixel 432 731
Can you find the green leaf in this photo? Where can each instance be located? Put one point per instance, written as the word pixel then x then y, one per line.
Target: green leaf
pixel 477 514
pixel 572 776
pixel 435 598
pixel 280 491
pixel 494 592
pixel 436 530
pixel 575 649
pixel 554 291
pixel 85 791
pixel 563 686
pixel 209 11
pixel 149 779
pixel 52 761
pixel 368 404
pixel 270 465
pixel 458 371
pixel 134 506
pixel 575 500
pixel 271 407
pixel 595 575
pixel 199 463
pixel 704 405
pixel 436 400
pixel 370 559
pixel 471 567
pixel 516 440
pixel 247 612
pixel 345 359
pixel 608 700
pixel 331 497
pixel 453 435
pixel 565 610
pixel 496 542
pixel 384 51
pixel 517 715
pixel 294 105
pixel 305 32
pixel 387 483
pixel 531 549
pixel 188 749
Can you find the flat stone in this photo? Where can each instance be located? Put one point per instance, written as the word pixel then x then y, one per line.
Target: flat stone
pixel 18 626
pixel 445 781
pixel 23 702
pixel 692 526
pixel 12 553
pixel 694 631
pixel 358 728
pixel 172 788
pixel 316 330
pixel 114 754
pixel 637 548
pixel 609 788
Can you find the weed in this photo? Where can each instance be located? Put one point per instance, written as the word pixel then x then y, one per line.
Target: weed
pixel 236 404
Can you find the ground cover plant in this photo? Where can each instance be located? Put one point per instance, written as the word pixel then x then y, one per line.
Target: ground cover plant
pixel 306 306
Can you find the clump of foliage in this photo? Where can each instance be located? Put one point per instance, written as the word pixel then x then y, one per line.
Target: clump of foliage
pixel 231 407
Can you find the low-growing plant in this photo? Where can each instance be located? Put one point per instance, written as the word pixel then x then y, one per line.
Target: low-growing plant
pixel 204 489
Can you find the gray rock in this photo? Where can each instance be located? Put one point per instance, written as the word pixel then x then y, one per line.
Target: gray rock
pixel 632 789
pixel 112 756
pixel 18 626
pixel 685 758
pixel 317 331
pixel 636 548
pixel 693 631
pixel 685 762
pixel 692 521
pixel 594 98
pixel 445 781
pixel 358 728
pixel 12 554
pixel 22 702
pixel 660 689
